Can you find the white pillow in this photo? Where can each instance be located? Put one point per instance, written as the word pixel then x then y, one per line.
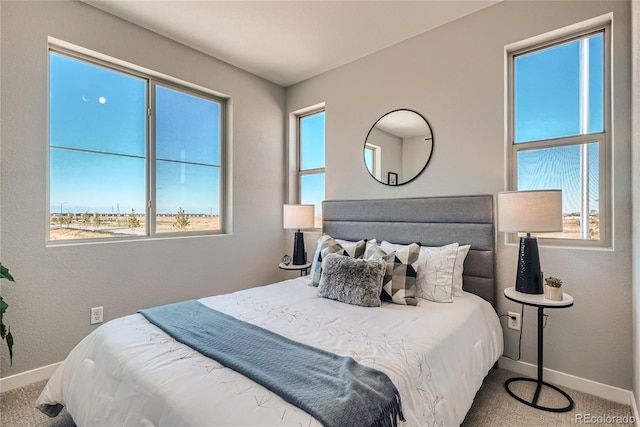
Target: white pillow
pixel 435 273
pixel 463 251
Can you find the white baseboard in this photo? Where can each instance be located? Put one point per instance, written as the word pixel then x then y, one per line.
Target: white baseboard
pixel 604 391
pixel 29 377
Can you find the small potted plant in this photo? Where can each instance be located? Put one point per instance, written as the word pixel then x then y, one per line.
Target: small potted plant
pixel 553 288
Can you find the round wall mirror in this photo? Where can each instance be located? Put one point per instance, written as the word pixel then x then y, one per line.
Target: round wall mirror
pixel 398 147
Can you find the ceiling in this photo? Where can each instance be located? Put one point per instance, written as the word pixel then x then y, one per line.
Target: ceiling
pixel 403 124
pixel 289 41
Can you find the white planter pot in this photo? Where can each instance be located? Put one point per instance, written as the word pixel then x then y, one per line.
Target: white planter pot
pixel 554 294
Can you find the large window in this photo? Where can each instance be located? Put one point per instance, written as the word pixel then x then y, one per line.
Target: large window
pixel 130 155
pixel 311 161
pixel 559 118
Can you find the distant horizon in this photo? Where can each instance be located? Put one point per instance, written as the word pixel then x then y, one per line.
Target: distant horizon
pixel 109 211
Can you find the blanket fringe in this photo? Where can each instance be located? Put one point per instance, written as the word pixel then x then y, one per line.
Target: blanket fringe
pixel 50 410
pixel 390 414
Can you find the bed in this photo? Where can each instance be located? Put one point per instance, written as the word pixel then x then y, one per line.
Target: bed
pixel 130 372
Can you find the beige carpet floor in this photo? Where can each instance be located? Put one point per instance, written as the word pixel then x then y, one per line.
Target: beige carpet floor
pixel 492 407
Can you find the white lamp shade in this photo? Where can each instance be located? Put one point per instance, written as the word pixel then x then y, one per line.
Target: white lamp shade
pixel 530 211
pixel 298 216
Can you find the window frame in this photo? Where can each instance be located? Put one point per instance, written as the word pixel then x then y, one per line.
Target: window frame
pixel 375 159
pixel 604 138
pixel 152 80
pixel 299 172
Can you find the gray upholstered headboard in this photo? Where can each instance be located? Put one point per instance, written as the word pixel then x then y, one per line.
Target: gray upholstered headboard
pixel 431 221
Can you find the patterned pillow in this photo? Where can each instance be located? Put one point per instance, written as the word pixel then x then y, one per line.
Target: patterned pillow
pixel 352 281
pixel 328 245
pixel 463 251
pixel 399 283
pixel 435 273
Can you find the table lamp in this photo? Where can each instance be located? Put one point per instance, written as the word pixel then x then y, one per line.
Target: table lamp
pixel 297 217
pixel 529 212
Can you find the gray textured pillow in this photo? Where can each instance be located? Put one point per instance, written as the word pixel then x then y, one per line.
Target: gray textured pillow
pixel 352 281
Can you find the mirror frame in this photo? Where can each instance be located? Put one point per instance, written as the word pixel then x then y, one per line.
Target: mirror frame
pixel 426 163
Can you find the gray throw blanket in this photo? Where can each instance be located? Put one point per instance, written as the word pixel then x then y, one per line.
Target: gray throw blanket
pixel 336 390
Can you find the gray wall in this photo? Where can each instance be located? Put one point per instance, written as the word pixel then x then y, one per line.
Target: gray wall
pixel 635 114
pixel 391 152
pixel 454 76
pixel 56 286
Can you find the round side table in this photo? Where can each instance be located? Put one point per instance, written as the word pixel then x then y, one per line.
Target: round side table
pixel 538 300
pixel 304 268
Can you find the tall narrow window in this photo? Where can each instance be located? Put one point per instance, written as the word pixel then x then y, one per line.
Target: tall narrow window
pixel 311 137
pixel 109 177
pixel 372 160
pixel 559 129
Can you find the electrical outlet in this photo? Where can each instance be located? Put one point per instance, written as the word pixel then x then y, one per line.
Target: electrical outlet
pixel 96 315
pixel 514 321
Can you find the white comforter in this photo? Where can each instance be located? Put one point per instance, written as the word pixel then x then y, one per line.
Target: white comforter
pixel 130 373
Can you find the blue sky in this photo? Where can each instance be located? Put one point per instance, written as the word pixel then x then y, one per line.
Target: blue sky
pixel 187 130
pixel 98 135
pixel 547 105
pixel 547 92
pixel 313 156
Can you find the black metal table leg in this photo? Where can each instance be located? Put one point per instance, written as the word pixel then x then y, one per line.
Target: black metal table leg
pixel 539 381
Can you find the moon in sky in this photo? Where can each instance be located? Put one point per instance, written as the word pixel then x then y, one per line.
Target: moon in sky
pixel 102 100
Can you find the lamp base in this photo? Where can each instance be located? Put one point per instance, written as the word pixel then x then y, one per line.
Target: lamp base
pixel 529 275
pixel 299 256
